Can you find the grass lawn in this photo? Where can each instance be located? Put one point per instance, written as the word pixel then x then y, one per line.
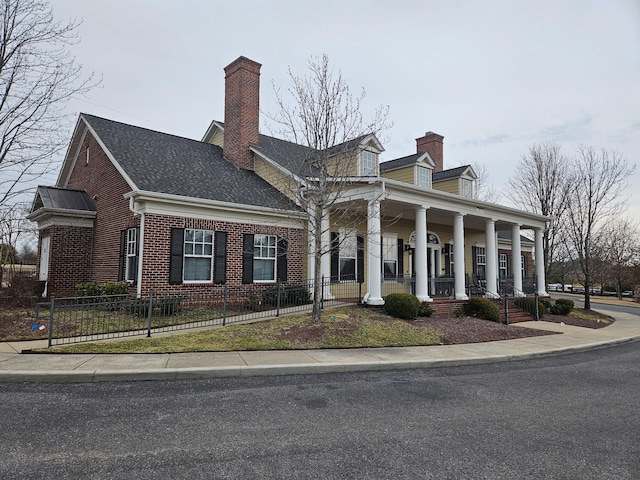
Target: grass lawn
pixel 346 327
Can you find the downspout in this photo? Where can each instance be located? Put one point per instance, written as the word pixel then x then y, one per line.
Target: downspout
pixel 140 246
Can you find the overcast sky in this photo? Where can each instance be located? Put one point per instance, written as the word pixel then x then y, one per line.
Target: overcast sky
pixel 492 77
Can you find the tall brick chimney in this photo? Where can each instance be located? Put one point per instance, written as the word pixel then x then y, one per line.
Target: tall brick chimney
pixel 241 111
pixel 432 143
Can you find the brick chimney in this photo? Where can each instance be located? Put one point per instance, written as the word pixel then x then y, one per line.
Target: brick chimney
pixel 241 111
pixel 432 143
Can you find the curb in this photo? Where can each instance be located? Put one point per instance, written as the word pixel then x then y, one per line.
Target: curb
pixel 194 373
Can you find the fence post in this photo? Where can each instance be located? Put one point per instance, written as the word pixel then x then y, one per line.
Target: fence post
pixel 278 299
pixel 322 293
pixel 224 304
pixel 149 313
pixel 506 309
pixel 51 307
pixel 537 312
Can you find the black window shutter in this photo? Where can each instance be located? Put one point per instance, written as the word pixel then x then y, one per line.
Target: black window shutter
pixel 220 258
pixel 474 258
pixel 360 258
pixel 509 270
pixel 123 256
pixel 447 259
pixel 400 259
pixel 335 254
pixel 247 258
pixel 524 267
pixel 176 261
pixel 281 266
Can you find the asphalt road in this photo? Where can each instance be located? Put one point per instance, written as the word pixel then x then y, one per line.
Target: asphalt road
pixel 573 416
pixel 579 301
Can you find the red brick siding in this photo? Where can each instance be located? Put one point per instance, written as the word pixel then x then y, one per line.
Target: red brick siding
pixel 157 236
pixel 241 111
pixel 432 143
pixel 100 178
pixel 529 257
pixel 69 258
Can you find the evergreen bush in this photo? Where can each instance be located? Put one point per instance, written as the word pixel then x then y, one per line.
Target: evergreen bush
pixel 562 307
pixel 426 310
pixel 402 305
pixel 482 308
pixel 528 304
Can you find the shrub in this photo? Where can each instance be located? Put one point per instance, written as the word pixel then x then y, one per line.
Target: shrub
pixel 24 290
pixel 547 303
pixel 94 289
pixel 528 304
pixel 562 307
pixel 402 305
pixel 252 302
pixel 426 310
pixel 482 308
pixel 292 295
pixel 161 307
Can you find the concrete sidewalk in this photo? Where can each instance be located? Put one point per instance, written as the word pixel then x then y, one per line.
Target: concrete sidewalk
pixel 59 368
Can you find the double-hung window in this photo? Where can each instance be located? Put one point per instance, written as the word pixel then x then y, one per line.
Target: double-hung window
pixel 348 255
pixel 424 179
pixel 502 264
pixel 390 256
pixel 467 188
pixel 264 258
pixel 368 163
pixel 481 262
pixel 132 255
pixel 198 255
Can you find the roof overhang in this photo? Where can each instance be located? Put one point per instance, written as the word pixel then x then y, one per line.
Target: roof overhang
pixel 47 217
pixel 144 202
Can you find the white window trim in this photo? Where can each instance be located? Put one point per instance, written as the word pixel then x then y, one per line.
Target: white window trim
pixel 394 250
pixel 362 163
pixel 345 233
pixel 503 264
pixel 464 184
pixel 422 168
pixel 185 255
pixel 131 250
pixel 274 258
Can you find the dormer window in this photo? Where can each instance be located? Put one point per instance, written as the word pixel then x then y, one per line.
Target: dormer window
pixel 424 177
pixel 467 187
pixel 368 163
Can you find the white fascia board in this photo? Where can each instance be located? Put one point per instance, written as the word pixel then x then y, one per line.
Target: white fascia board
pixel 77 139
pixel 401 191
pixel 188 207
pixel 426 158
pixel 279 167
pixel 374 140
pixel 211 131
pixel 45 217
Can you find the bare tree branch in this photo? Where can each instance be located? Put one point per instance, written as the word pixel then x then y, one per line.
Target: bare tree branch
pixel 38 77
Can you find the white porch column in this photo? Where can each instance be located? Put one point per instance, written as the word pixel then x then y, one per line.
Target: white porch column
pixel 492 259
pixel 422 280
pixel 458 257
pixel 374 259
pixel 432 270
pixel 325 260
pixel 540 277
pixel 516 261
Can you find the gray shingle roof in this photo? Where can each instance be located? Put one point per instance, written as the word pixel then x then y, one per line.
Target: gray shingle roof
pixel 450 173
pixel 164 163
pixel 400 162
pixel 506 235
pixel 64 199
pixel 290 155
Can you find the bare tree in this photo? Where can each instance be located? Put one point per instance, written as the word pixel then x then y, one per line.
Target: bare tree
pixel 38 77
pixel 621 240
pixel 484 189
pixel 541 185
pixel 598 179
pixel 324 116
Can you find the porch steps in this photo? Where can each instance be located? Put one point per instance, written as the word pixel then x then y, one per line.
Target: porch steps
pixel 516 314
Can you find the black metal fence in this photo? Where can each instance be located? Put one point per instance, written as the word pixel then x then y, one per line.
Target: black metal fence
pixel 82 319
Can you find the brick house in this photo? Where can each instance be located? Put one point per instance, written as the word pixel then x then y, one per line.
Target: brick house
pixel 171 214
